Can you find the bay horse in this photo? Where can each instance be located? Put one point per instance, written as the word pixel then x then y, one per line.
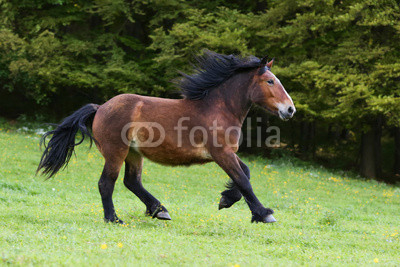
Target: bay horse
pixel 218 94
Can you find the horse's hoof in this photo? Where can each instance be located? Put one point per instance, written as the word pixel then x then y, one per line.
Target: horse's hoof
pixel 269 219
pixel 264 218
pixel 223 203
pixel 163 215
pixel 160 213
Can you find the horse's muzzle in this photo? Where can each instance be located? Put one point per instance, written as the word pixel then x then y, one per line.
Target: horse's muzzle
pixel 286 113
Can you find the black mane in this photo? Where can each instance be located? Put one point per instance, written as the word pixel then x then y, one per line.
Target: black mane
pixel 211 70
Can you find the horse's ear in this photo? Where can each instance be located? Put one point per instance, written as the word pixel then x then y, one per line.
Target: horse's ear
pixel 269 64
pixel 264 61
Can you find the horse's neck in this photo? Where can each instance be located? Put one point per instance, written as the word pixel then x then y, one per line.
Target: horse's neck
pixel 233 95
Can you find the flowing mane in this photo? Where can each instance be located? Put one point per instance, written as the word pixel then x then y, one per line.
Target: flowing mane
pixel 211 70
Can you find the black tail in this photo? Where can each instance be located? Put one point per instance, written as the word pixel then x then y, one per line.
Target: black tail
pixel 59 150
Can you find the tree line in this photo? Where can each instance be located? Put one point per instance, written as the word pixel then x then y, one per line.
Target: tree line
pixel 339 60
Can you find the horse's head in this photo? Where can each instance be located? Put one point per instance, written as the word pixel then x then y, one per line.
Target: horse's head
pixel 270 94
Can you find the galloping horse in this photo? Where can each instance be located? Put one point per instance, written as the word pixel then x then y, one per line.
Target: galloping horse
pixel 218 94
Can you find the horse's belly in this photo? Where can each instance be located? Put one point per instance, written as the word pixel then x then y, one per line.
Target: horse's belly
pixel 166 147
pixel 177 156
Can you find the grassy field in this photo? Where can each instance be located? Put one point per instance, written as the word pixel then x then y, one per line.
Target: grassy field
pixel 324 217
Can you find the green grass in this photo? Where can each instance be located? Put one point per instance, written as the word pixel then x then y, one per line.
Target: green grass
pixel 324 217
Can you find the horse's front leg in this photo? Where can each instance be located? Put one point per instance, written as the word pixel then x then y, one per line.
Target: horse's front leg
pixel 232 194
pixel 230 163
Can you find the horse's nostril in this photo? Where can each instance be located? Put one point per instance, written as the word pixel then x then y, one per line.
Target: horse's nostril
pixel 290 110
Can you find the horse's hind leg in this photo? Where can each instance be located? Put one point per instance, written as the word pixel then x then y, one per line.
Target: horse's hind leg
pixel 233 195
pixel 133 181
pixel 106 188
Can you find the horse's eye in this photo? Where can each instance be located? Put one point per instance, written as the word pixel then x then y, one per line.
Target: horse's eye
pixel 270 82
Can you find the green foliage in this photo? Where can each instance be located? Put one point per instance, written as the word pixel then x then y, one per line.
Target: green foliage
pixel 223 30
pixel 61 49
pixel 339 58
